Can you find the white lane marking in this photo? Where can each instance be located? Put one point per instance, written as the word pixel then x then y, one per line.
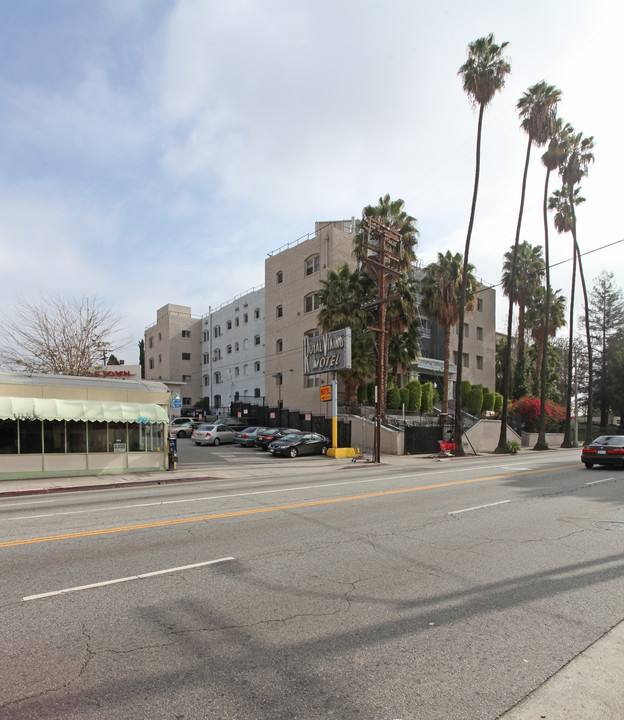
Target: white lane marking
pixel 597 482
pixel 401 476
pixel 125 579
pixel 478 507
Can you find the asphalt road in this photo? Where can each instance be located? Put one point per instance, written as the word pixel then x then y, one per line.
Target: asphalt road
pixel 447 592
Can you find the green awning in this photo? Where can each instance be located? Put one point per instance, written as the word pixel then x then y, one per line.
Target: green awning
pixel 16 408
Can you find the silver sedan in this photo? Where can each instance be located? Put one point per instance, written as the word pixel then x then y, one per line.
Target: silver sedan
pixel 212 435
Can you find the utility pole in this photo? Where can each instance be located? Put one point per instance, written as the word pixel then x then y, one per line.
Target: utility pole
pixel 383 247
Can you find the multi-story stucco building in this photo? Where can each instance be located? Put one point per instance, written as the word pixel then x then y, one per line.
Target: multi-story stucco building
pixel 173 352
pixel 233 348
pixel 293 276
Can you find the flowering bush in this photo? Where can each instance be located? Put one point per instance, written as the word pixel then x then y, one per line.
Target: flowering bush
pixel 529 409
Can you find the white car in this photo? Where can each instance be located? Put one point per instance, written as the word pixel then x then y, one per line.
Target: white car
pixel 212 435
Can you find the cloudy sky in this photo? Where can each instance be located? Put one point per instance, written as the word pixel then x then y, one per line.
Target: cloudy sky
pixel 155 151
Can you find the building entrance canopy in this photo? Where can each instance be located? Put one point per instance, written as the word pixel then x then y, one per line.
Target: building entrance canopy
pixel 18 408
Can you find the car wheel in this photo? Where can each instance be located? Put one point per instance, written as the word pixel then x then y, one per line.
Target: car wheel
pixel 293 452
pixel 323 450
pixel 181 434
pixel 216 441
pixel 589 466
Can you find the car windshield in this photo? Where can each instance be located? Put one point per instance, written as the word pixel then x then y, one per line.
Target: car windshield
pixel 609 440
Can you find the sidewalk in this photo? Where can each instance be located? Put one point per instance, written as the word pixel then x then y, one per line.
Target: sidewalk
pixel 589 687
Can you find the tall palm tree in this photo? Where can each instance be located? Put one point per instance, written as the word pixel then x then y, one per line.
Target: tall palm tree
pixel 529 276
pixel 576 166
pixel 552 159
pixel 560 202
pixel 538 110
pixel 442 299
pixel 483 75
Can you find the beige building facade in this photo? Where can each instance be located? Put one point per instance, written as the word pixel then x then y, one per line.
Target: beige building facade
pixel 293 276
pixel 173 353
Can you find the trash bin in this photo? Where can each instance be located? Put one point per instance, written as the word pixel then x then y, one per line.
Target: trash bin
pixel 173 453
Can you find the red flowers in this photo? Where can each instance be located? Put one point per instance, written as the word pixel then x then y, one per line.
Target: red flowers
pixel 529 409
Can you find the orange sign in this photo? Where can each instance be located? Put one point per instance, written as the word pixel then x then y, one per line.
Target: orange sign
pixel 325 392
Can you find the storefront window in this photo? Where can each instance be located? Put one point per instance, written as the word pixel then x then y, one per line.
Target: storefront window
pixel 30 436
pixel 157 437
pixel 97 437
pixel 117 440
pixel 54 436
pixel 136 437
pixel 76 436
pixel 8 437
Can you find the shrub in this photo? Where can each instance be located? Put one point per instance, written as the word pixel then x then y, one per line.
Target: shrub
pixel 426 404
pixel 498 403
pixel 393 398
pixel 415 392
pixel 488 400
pixel 404 392
pixel 529 409
pixel 370 393
pixel 474 401
pixel 465 392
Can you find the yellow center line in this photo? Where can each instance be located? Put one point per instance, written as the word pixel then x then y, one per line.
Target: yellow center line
pixel 275 508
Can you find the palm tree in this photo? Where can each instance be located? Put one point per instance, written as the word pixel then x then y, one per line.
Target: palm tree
pixel 483 75
pixel 442 299
pixel 573 170
pixel 341 298
pixel 552 159
pixel 529 276
pixel 538 109
pixel 536 321
pixel 560 202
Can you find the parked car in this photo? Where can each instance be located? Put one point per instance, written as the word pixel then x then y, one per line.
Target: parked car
pixel 604 450
pixel 247 437
pixel 267 436
pixel 182 430
pixel 299 444
pixel 212 435
pixel 234 423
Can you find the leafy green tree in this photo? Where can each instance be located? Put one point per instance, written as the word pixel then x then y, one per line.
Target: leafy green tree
pixel 538 112
pixel 606 315
pixel 483 75
pixel 442 296
pixel 536 320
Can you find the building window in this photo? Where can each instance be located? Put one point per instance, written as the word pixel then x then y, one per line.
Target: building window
pixel 151 363
pixel 228 325
pixel 217 401
pixel 159 336
pixel 256 392
pixel 466 360
pixel 228 350
pixel 279 346
pixel 205 336
pixel 257 314
pixel 479 305
pixel 236 371
pixel 466 330
pixel 279 311
pixel 236 396
pixel 186 378
pixel 216 331
pixel 279 277
pixel 217 378
pixel 479 333
pixel 186 333
pixel 216 355
pixel 311 381
pixel 151 342
pixel 206 358
pixel 160 358
pixel 236 347
pixel 206 380
pixel 257 367
pixel 479 362
pixel 312 265
pixel 236 322
pixel 257 340
pixel 187 401
pixel 311 302
pixel 312 333
pixel 245 318
pixel 186 356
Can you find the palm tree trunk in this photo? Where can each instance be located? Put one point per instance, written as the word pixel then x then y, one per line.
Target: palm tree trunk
pixel 502 440
pixel 590 363
pixel 567 442
pixel 541 443
pixel 459 431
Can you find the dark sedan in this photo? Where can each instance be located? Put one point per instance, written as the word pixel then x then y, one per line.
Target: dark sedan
pixel 604 450
pixel 269 434
pixel 299 444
